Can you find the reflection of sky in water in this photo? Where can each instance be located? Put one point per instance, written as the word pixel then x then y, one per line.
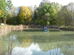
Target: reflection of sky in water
pixel 44 43
pixel 35 50
pixel 55 51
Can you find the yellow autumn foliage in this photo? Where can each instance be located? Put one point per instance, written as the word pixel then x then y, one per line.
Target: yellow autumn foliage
pixel 25 14
pixel 26 43
pixel 1 12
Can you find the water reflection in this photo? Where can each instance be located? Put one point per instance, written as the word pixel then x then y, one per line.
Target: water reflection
pixel 37 43
pixel 34 49
pixel 55 51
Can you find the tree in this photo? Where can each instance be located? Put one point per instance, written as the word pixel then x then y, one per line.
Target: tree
pixel 66 15
pixel 70 7
pixel 10 8
pixel 46 13
pixel 12 16
pixel 1 13
pixel 24 15
pixel 5 7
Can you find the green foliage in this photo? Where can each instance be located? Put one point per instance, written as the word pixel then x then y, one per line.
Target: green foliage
pixel 46 14
pixel 66 16
pixel 12 21
pixel 12 17
pixel 5 7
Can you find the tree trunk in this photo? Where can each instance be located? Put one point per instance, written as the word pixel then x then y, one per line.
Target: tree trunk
pixel 4 20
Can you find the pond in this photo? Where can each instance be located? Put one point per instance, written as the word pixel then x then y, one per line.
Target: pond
pixel 37 43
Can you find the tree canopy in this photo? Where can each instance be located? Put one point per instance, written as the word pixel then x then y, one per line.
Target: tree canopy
pixel 4 10
pixel 24 15
pixel 66 15
pixel 46 13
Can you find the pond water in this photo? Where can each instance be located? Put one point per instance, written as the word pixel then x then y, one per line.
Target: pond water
pixel 37 43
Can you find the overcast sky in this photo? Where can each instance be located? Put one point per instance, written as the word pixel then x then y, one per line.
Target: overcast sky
pixel 18 3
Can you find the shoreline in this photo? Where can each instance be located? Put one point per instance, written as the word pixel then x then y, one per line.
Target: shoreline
pixel 5 29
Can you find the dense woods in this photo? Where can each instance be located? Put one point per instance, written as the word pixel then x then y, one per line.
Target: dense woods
pixel 47 13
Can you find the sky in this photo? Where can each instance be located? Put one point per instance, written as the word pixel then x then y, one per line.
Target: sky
pixel 18 3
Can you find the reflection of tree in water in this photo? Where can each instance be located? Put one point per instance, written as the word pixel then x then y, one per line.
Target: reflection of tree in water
pixel 68 51
pixel 64 45
pixel 68 48
pixel 2 48
pixel 26 42
pixel 47 41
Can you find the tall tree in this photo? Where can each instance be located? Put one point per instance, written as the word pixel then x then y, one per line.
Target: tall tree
pixel 66 15
pixel 3 5
pixel 46 13
pixel 24 15
pixel 10 7
pixel 70 7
